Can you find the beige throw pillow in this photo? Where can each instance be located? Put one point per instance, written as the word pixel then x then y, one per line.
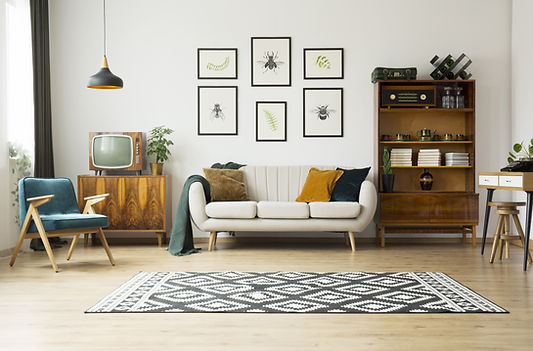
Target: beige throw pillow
pixel 226 184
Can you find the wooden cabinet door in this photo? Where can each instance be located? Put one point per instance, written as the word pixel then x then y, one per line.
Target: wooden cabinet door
pixel 135 203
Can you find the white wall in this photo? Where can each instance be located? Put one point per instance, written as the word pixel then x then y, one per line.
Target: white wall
pixel 152 46
pixel 522 76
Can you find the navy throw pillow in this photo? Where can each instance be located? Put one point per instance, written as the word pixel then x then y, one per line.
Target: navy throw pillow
pixel 349 184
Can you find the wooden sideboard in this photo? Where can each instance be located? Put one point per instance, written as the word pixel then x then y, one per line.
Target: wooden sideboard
pixel 134 204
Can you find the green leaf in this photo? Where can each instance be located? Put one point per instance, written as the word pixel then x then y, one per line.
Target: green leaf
pixel 510 160
pixel 271 120
pixel 511 155
pixel 517 147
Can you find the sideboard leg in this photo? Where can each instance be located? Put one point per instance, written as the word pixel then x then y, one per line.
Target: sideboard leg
pixel 159 239
pixel 474 235
pixel 382 236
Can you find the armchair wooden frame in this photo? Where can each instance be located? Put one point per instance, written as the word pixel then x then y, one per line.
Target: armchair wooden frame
pixel 33 213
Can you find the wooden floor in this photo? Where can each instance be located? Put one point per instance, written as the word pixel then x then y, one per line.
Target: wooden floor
pixel 43 310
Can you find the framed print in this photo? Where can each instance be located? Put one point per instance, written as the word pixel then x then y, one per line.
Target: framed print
pixel 324 63
pixel 271 121
pixel 271 61
pixel 323 112
pixel 217 110
pixel 217 63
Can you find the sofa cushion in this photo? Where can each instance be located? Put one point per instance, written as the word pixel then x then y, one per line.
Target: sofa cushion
pixel 282 209
pixel 319 185
pixel 231 209
pixel 334 209
pixel 349 185
pixel 226 184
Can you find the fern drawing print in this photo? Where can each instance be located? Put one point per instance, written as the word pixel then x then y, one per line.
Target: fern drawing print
pixel 323 62
pixel 212 67
pixel 271 120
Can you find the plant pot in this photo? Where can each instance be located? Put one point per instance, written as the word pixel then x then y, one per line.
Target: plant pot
pixel 157 168
pixel 388 182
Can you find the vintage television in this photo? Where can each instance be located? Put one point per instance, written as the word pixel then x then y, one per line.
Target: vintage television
pixel 122 151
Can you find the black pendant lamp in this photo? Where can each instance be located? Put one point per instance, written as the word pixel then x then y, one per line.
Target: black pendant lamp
pixel 105 79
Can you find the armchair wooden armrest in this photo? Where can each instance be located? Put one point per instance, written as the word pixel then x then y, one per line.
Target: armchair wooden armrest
pixel 91 200
pixel 39 200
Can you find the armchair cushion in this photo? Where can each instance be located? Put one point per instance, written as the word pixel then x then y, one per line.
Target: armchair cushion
pixel 70 221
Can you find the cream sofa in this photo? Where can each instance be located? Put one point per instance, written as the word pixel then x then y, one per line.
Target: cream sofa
pixel 272 191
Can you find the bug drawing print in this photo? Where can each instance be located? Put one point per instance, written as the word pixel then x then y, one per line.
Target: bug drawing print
pixel 216 112
pixel 270 62
pixel 323 112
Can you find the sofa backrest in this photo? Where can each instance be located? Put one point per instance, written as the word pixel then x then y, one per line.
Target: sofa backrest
pixel 276 183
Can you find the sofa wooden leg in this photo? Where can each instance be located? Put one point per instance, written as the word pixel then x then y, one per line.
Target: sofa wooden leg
pixel 352 240
pixel 212 239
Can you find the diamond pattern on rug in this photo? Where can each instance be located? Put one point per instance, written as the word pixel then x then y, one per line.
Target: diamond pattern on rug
pixel 294 292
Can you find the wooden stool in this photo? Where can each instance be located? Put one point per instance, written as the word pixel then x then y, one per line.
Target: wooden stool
pixel 505 210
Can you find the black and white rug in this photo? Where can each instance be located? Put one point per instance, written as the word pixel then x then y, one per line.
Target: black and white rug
pixel 287 292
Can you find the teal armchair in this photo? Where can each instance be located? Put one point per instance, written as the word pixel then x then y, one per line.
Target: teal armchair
pixel 48 208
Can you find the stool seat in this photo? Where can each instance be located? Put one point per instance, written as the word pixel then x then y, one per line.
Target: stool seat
pixel 506 203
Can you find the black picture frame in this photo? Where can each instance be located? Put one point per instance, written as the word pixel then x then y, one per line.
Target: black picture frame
pixel 257 104
pixel 341 109
pixel 199 52
pixel 199 112
pixel 254 63
pixel 305 67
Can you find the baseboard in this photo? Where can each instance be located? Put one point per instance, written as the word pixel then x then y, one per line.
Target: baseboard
pixel 6 252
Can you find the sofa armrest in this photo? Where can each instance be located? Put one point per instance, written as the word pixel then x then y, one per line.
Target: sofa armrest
pixel 197 202
pixel 368 199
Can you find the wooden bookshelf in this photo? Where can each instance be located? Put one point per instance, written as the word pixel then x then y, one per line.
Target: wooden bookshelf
pixel 451 205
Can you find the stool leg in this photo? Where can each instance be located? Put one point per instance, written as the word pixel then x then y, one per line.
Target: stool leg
pixel 495 239
pixel 503 231
pixel 507 232
pixel 521 235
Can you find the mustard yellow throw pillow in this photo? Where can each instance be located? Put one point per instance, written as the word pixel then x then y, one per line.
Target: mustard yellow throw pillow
pixel 319 185
pixel 226 184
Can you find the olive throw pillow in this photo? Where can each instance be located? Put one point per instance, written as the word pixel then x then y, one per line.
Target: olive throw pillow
pixel 349 185
pixel 319 185
pixel 226 184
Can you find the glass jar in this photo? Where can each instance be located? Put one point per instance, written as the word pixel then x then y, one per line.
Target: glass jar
pixel 459 98
pixel 448 99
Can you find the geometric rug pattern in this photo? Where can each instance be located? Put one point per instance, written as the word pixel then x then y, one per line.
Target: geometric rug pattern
pixel 293 292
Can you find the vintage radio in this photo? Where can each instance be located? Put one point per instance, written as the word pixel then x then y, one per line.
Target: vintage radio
pixel 401 95
pixel 385 73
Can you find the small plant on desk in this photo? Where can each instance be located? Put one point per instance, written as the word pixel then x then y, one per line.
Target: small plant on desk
pixel 522 152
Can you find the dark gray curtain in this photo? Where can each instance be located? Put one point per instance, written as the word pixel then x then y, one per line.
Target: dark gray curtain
pixel 44 157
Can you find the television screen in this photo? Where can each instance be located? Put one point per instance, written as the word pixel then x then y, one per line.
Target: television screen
pixel 112 151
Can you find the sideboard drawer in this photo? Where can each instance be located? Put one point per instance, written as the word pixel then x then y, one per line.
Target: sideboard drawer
pixel 488 180
pixel 511 181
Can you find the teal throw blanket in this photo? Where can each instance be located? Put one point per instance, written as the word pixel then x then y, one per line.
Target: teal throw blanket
pixel 181 239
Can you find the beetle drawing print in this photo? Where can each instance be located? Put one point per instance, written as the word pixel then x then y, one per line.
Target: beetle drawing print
pixel 323 112
pixel 270 62
pixel 216 112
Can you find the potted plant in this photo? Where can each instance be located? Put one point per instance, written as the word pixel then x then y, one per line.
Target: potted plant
pixel 523 153
pixel 158 147
pixel 387 177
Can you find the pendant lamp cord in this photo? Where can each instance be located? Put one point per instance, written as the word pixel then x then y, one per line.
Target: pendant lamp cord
pixel 105 34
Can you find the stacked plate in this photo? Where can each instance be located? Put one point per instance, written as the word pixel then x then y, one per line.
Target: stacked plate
pixel 457 159
pixel 401 157
pixel 429 157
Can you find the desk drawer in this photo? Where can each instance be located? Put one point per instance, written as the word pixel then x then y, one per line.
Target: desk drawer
pixel 511 181
pixel 488 180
